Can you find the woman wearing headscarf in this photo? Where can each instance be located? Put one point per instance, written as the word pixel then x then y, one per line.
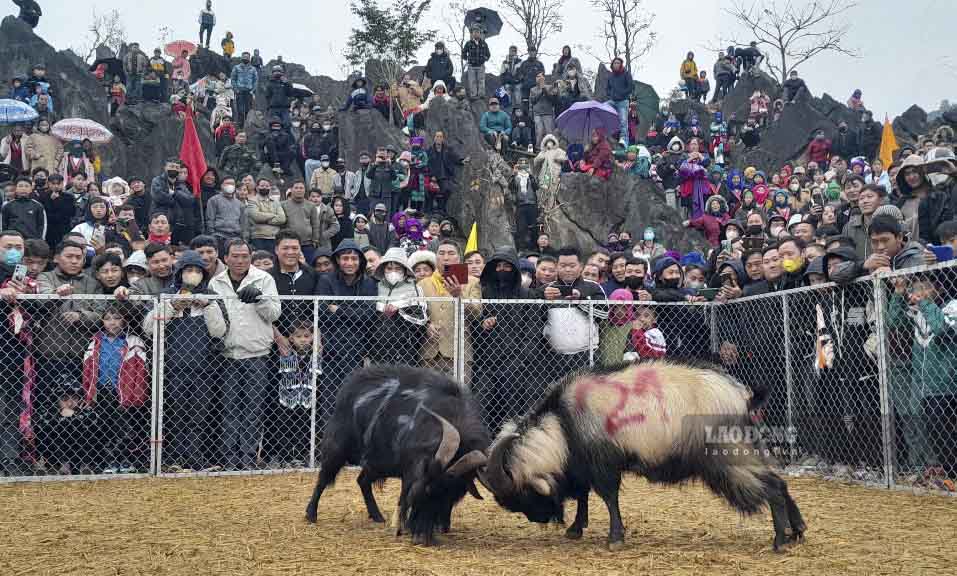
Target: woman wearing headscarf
pixel 693 175
pixel 75 162
pixel 597 160
pixel 340 207
pixel 614 332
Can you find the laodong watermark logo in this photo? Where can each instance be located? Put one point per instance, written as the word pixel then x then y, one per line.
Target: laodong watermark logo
pixel 721 437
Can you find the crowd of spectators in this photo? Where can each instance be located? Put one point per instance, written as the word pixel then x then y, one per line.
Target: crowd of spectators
pixel 240 365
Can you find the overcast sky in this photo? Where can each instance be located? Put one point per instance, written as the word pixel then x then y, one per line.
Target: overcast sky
pixel 907 49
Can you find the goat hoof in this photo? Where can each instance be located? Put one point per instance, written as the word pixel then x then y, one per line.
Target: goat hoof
pixel 377 518
pixel 573 533
pixel 798 534
pixel 615 545
pixel 311 516
pixel 780 541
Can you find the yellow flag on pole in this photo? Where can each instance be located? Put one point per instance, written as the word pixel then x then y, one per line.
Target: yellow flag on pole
pixel 472 244
pixel 888 144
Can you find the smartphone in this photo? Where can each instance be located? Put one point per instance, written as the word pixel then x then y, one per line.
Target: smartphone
pixel 817 199
pixel 19 273
pixel 708 293
pixel 753 242
pixel 943 253
pixel 726 246
pixel 458 271
pixel 566 290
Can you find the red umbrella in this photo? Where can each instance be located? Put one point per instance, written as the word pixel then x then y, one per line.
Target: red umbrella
pixel 175 49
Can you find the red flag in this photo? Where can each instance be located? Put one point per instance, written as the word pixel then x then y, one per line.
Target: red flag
pixel 191 153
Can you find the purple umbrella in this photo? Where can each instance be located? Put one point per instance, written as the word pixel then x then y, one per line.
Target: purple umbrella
pixel 578 122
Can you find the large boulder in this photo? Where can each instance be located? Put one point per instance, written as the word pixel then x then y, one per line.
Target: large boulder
pixel 589 208
pixel 911 125
pixel 787 138
pixel 364 131
pixel 205 62
pixel 738 102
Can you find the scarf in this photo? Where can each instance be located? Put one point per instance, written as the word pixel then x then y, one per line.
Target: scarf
pixel 159 238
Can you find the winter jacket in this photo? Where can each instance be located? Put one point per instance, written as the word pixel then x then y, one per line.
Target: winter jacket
pixel 910 256
pixel 207 17
pixel 509 70
pixel 250 325
pixel 381 185
pixel 132 386
pixel 443 162
pixel 6 152
pixel 548 163
pixel 347 328
pixel 792 88
pixel 493 122
pixel 56 339
pixel 439 67
pixel 523 193
pixel 59 215
pixel 561 66
pixel 442 319
pixel 475 53
pixel 224 216
pixel 188 333
pixel 856 229
pixel 409 95
pixel 328 226
pixel 135 63
pixel 244 78
pixel 619 85
pixel 303 219
pixel 379 236
pixel 278 94
pixel 265 218
pixel 819 150
pixel 344 183
pixel 543 100
pixel 238 160
pixel 316 144
pixel 180 206
pixel 301 283
pixel 323 179
pixel 723 68
pixel 26 216
pixel 527 73
pixel 933 357
pixel 689 71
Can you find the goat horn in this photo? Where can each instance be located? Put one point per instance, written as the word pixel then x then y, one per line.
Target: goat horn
pixel 449 444
pixel 499 479
pixel 469 462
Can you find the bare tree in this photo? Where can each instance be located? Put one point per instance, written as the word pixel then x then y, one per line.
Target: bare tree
pixel 104 29
pixel 626 30
pixel 795 34
pixel 454 32
pixel 535 20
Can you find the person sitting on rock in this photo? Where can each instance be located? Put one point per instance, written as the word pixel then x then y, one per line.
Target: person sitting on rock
pixel 496 126
pixel 359 97
pixel 597 160
pixel 711 220
pixel 439 90
pixel 381 100
pixel 521 128
pixel 760 104
pixel 793 87
pixel 855 102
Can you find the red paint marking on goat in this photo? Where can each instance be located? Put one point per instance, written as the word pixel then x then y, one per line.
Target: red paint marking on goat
pixel 646 382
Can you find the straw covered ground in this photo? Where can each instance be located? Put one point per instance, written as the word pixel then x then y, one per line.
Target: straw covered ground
pixel 254 525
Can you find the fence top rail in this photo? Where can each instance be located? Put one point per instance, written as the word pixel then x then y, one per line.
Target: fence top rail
pixel 80 297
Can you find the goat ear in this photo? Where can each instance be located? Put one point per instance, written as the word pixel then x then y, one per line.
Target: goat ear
pixel 474 491
pixel 541 486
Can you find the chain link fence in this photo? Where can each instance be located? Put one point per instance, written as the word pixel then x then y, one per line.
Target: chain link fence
pixel 861 379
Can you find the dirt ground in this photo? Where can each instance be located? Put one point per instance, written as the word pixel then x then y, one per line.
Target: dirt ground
pixel 254 525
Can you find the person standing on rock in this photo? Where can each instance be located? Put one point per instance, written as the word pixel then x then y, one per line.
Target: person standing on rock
pixel 135 63
pixel 475 54
pixel 618 88
pixel 527 72
pixel 244 79
pixel 207 19
pixel 793 87
pixel 439 67
pixel 279 95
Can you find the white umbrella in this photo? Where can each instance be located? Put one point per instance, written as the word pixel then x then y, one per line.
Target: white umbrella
pixel 70 129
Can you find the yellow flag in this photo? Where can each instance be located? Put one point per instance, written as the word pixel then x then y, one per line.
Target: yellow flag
pixel 472 244
pixel 888 144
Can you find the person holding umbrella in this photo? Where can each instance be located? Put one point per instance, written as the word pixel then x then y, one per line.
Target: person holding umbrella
pixel 475 54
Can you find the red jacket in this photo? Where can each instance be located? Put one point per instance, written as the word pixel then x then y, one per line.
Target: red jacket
pixel 819 150
pixel 711 226
pixel 132 386
pixel 649 343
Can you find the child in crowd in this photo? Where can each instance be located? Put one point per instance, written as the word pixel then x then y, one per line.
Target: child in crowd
pixel 115 385
pixel 647 340
pixel 360 231
pixel 262 260
pixel 117 94
pixel 66 437
pixel 295 391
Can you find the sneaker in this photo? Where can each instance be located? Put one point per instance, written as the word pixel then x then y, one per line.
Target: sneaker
pixel 112 469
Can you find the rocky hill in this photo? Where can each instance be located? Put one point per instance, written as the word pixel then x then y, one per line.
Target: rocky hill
pixel 588 208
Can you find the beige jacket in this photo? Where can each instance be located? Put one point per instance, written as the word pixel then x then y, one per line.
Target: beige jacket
pixel 441 316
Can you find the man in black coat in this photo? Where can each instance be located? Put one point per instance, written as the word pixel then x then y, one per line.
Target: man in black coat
pixel 528 71
pixel 59 206
pixel 14 350
pixel 169 195
pixel 279 95
pixel 442 164
pixel 439 67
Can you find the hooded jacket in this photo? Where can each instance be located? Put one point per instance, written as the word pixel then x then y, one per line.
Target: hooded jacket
pixel 403 295
pixel 439 67
pixel 346 328
pixel 179 204
pixel 619 85
pixel 188 333
pixel 549 162
pixel 250 325
pixel 506 345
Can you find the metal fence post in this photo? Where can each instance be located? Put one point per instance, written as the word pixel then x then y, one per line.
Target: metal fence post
pixel 591 323
pixel 315 378
pixel 887 412
pixel 712 311
pixel 788 371
pixel 159 366
pixel 458 364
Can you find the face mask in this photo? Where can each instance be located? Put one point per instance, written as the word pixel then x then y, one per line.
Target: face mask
pixel 776 230
pixel 649 236
pixel 526 280
pixel 504 278
pixel 229 189
pixel 938 180
pixel 792 265
pixel 672 283
pixel 695 284
pixel 325 164
pixel 732 235
pixel 172 174
pixel 192 278
pixel 394 278
pixel 12 256
pixel 794 187
pixel 755 230
pixel 40 182
pixel 634 282
pixel 380 216
pixel 264 191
